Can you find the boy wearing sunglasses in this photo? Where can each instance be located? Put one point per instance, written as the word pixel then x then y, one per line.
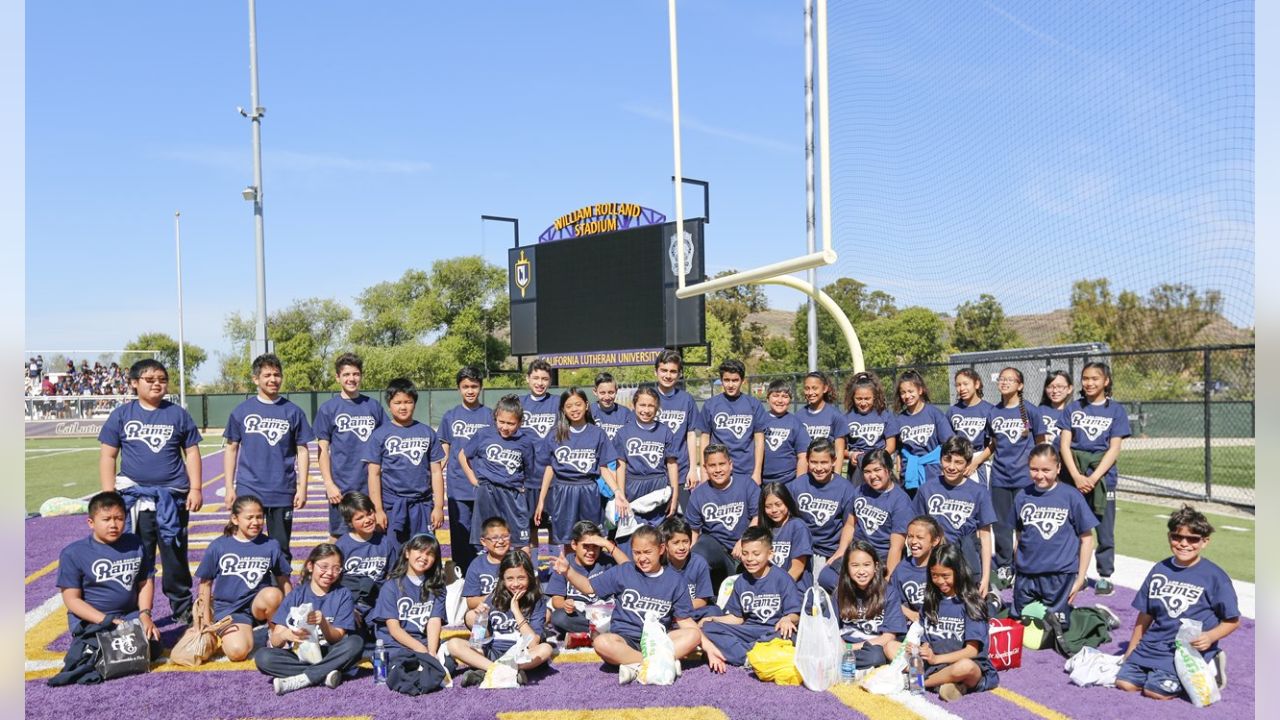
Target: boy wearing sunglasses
pixel 1184 586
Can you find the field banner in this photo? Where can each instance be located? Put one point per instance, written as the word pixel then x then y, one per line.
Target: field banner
pixel 601 358
pixel 64 428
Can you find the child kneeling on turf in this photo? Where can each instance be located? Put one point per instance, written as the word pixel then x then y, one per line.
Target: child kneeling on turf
pixel 105 580
pixel 567 603
pixel 1185 586
pixel 332 611
pixel 516 607
pixel 765 604
pixel 642 586
pixel 955 623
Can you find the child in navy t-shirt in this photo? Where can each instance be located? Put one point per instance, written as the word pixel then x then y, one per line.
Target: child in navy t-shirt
pixel 922 428
pixel 605 411
pixel 1055 539
pixel 785 437
pixel 1185 586
pixel 343 426
pixel 158 446
pixel 516 609
pixel 962 507
pixel 567 603
pixel 736 421
pixel 459 425
pixel 647 463
pixel 405 457
pixel 868 423
pixel 792 546
pixel 498 462
pixel 820 416
pixel 411 611
pixel 764 604
pixel 369 554
pixel 482 576
pixel 266 453
pixel 719 510
pixel 106 577
pixel 678 537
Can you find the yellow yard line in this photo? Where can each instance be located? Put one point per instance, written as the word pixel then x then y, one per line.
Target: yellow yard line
pixel 1029 705
pixel 41 573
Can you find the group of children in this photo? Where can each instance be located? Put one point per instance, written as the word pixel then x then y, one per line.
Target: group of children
pixel 991 496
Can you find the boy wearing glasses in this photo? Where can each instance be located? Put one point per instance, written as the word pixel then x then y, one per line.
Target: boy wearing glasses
pixel 482 577
pixel 159 450
pixel 1184 586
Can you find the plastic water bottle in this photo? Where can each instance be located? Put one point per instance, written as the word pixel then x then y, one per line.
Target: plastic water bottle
pixel 915 671
pixel 848 665
pixel 380 663
pixel 479 636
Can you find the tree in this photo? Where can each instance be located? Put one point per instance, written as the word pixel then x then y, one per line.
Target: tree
pixel 167 352
pixel 391 313
pixel 731 306
pixel 1176 313
pixel 306 336
pixel 913 336
pixel 860 306
pixel 1093 312
pixel 981 325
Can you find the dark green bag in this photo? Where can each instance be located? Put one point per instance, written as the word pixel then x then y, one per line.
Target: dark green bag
pixel 1088 629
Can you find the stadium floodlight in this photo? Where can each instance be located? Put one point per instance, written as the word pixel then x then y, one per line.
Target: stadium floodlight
pixel 250 193
pixel 767 273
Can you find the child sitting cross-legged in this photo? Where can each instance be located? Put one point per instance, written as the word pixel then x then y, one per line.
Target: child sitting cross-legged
pixel 765 604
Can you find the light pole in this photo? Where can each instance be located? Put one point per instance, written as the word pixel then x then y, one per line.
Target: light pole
pixel 810 211
pixel 182 358
pixel 254 192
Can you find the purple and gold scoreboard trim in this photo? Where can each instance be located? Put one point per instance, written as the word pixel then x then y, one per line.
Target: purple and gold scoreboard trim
pixel 600 218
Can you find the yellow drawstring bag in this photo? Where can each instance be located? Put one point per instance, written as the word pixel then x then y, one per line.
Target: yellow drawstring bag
pixel 774 661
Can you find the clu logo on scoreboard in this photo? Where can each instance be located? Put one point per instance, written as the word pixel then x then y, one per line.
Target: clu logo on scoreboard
pixel 524 273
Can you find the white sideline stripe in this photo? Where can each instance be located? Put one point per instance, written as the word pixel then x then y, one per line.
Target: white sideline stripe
pixel 1237 529
pixel 920 706
pixel 1130 572
pixel 35 615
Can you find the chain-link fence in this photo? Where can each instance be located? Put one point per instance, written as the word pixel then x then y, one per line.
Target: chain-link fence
pixel 1191 410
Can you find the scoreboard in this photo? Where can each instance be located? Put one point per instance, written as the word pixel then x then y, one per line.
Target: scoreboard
pixel 609 291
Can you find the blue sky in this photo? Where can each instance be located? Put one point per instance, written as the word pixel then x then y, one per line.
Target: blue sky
pixel 1007 147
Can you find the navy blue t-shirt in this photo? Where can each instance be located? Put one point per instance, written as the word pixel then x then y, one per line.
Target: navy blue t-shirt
pixel 636 593
pixel 579 457
pixel 457 428
pixel 868 432
pixel 347 425
pixel 697 578
pixel 372 558
pixel 336 605
pixel 1052 421
pixel 400 599
pixel 733 422
pixel 953 629
pixel 961 509
pixel 785 438
pixel 906 587
pixel 724 513
pixel 828 422
pixel 824 507
pixel 108 576
pixel 1093 426
pixel 1013 439
pixel 679 411
pixel 762 602
pixel 151 442
pixel 539 419
pixel 919 434
pixel 1050 523
pixel 1171 594
pixel 506 462
pixel 791 541
pixel 504 628
pixel 482 576
pixel 269 435
pixel 644 449
pixel 612 419
pixel 405 455
pixel 240 568
pixel 880 515
pixel 971 422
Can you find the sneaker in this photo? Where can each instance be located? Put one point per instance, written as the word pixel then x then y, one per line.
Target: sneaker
pixel 950 692
pixel 1103 587
pixel 993 604
pixel 472 677
pixel 333 679
pixel 289 684
pixel 1004 577
pixel 1220 668
pixel 521 678
pixel 628 673
pixel 1113 620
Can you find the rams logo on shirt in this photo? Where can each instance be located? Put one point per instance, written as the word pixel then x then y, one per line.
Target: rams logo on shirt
pixel 153 436
pixel 359 425
pixel 647 450
pixel 414 613
pixel 817 508
pixel 1176 596
pixel 817 431
pixel 540 422
pixel 464 429
pixel 869 432
pixel 762 607
pixel 917 434
pixel 781 553
pixel 735 425
pixel 946 628
pixel 507 458
pixel 870 517
pixel 413 449
pixel 1047 520
pixel 955 511
pixel 775 437
pixel 122 571
pixel 673 419
pixel 250 569
pixel 968 426
pixel 273 429
pixel 727 515
pixel 913 591
pixel 1092 426
pixel 633 601
pixel 1011 428
pixel 365 566
pixel 584 460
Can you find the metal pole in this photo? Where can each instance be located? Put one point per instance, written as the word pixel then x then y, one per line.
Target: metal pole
pixel 182 358
pixel 810 208
pixel 255 117
pixel 675 142
pixel 1208 425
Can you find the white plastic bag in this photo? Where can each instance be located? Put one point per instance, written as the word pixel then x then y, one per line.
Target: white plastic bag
pixel 818 643
pixel 455 605
pixel 887 679
pixel 726 589
pixel 1197 678
pixel 627 524
pixel 659 666
pixel 308 651
pixel 599 616
pixel 1091 666
pixel 502 673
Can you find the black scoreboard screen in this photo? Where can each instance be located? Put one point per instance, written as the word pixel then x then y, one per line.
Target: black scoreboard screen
pixel 611 291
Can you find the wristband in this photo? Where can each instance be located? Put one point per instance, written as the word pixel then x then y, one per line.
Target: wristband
pixel 146 611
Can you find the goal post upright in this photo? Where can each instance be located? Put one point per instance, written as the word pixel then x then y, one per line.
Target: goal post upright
pixel 778 273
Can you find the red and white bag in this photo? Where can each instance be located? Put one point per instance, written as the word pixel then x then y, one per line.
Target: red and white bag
pixel 1004 644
